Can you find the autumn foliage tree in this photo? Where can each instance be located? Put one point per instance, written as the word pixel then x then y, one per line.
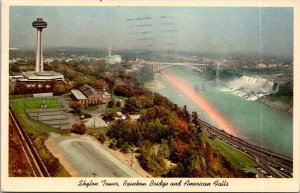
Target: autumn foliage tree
pixel 60 88
pixel 76 106
pixel 78 128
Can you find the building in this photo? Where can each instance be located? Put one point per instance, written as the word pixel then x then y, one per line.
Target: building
pixel 38 80
pixel 112 59
pixel 87 95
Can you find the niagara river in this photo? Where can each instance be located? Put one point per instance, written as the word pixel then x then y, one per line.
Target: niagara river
pixel 252 121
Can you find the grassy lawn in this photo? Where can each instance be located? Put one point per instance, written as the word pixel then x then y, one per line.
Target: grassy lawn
pixel 236 157
pixel 89 108
pixel 33 103
pixel 115 109
pixel 120 97
pixel 38 132
pixel 96 131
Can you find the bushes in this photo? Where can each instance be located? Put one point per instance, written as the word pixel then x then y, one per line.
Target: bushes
pixel 125 148
pixel 150 161
pixel 132 104
pixel 112 144
pixel 111 104
pixel 109 116
pixel 118 104
pixel 76 106
pixel 101 138
pixel 78 128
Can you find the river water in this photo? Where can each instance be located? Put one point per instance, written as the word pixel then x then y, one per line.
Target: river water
pixel 252 121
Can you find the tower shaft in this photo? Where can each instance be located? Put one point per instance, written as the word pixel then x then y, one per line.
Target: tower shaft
pixel 39 66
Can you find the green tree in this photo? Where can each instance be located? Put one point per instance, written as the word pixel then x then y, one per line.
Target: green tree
pixel 161 101
pixel 150 115
pixel 195 117
pixel 164 150
pixel 125 148
pixel 150 161
pixel 109 116
pixel 155 131
pixel 192 164
pixel 132 104
pixel 125 131
pixel 144 75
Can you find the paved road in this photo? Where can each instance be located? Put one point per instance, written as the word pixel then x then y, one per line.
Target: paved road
pixel 87 157
pixel 265 158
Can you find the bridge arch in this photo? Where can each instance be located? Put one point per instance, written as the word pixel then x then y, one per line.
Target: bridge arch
pixel 187 65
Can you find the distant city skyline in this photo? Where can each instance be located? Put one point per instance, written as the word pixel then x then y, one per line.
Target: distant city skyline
pixel 201 29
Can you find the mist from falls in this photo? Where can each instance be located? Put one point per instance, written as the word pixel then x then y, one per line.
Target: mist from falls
pixel 255 84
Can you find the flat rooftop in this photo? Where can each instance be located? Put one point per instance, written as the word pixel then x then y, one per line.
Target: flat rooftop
pixel 44 75
pixel 78 94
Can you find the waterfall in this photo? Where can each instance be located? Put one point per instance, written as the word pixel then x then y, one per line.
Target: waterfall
pixel 252 87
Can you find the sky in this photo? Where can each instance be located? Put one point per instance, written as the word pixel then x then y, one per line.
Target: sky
pixel 201 29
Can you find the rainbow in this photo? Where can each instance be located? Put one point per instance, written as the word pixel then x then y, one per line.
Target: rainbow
pixel 200 101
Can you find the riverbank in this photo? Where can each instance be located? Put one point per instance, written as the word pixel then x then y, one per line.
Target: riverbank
pixel 277 104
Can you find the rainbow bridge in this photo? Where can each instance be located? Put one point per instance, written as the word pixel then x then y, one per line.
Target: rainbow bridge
pixel 156 66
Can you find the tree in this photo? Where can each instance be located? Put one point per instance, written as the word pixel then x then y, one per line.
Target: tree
pixel 164 150
pixel 125 148
pixel 101 84
pixel 111 103
pixel 150 115
pixel 132 105
pixel 195 117
pixel 59 88
pixel 155 131
pixel 152 162
pixel 186 114
pixel 118 104
pixel 147 101
pixel 109 116
pixel 144 75
pixel 101 138
pixel 76 106
pixel 192 164
pixel 161 101
pixel 21 88
pixel 125 131
pixel 78 128
pixel 15 68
